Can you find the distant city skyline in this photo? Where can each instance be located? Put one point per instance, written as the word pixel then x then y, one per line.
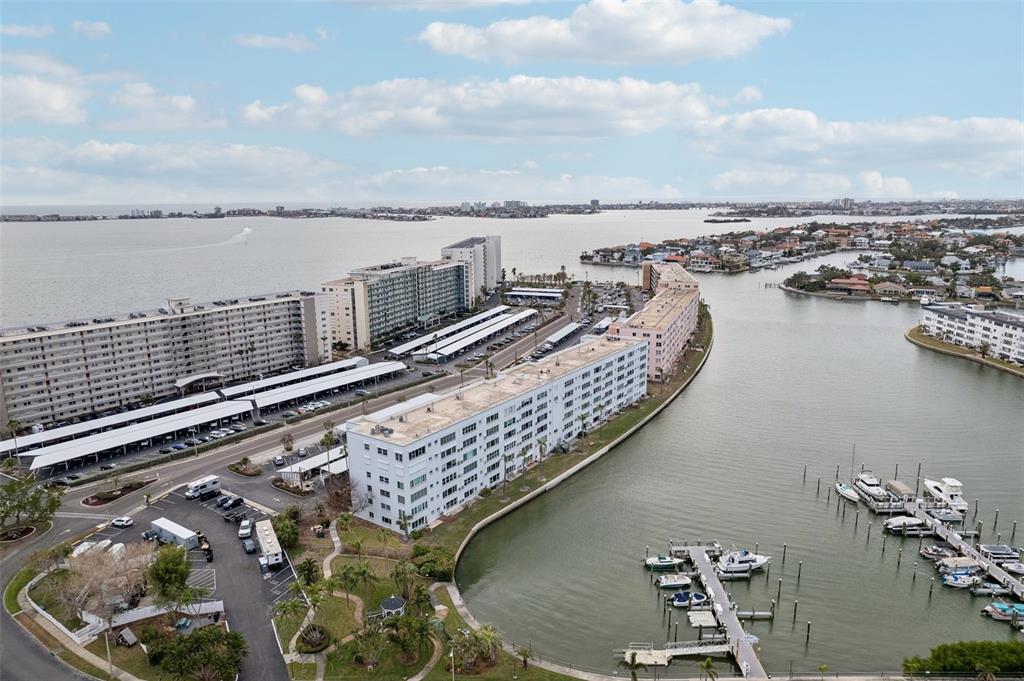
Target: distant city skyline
pixel 367 102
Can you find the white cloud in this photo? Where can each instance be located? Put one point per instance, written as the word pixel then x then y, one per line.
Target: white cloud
pixel 748 94
pixel 433 5
pixel 780 181
pixel 292 42
pixel 322 33
pixel 153 110
pixel 517 108
pixel 31 98
pixel 614 31
pixel 94 30
pixel 23 31
pixel 874 185
pixel 37 63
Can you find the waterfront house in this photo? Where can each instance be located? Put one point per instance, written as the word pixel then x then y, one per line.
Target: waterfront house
pixel 854 286
pixel 921 291
pixel 918 266
pixel 891 289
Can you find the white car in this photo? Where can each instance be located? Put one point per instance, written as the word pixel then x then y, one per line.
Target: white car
pixel 123 521
pixel 245 529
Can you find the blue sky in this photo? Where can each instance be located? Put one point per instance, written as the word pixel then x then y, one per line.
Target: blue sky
pixel 391 101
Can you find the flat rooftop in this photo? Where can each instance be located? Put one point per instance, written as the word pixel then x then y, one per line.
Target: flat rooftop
pixel 1007 318
pixel 661 309
pixel 420 420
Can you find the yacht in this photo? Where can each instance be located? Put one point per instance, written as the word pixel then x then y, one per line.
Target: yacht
pixel 961 581
pixel 686 599
pixel 1014 568
pixel 936 552
pixel 661 562
pixel 959 565
pixel 908 526
pixel 946 515
pixel 1004 612
pixel 870 486
pixel 741 561
pixel 673 582
pixel 846 491
pixel 947 490
pixel 999 553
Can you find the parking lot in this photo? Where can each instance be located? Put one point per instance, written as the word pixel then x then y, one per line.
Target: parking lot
pixel 233 576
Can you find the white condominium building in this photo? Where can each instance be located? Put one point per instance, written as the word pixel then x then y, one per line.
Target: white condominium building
pixel 662 276
pixel 82 368
pixel 427 457
pixel 968 326
pixel 483 255
pixel 374 304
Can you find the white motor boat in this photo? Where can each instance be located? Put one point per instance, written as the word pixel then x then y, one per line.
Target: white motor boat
pixel 1014 568
pixel 846 491
pixel 673 582
pixel 741 561
pixel 948 491
pixel 686 599
pixel 946 515
pixel 662 562
pixel 961 581
pixel 908 526
pixel 870 486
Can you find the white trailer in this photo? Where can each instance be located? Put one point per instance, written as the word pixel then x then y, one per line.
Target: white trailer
pixel 270 549
pixel 202 486
pixel 173 533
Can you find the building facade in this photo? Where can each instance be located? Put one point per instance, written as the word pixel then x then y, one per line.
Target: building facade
pixel 428 456
pixel 1001 332
pixel 374 304
pixel 483 256
pixel 668 320
pixel 82 368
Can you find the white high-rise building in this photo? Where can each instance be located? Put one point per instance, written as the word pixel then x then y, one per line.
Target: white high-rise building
pixel 375 304
pixel 483 255
pixel 430 455
pixel 81 368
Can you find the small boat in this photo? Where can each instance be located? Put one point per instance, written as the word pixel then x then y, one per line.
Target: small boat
pixel 948 491
pixel 1004 612
pixel 662 562
pixel 946 515
pixel 846 491
pixel 686 599
pixel 907 526
pixel 989 589
pixel 999 553
pixel 889 299
pixel 1014 568
pixel 936 552
pixel 961 581
pixel 870 486
pixel 959 566
pixel 673 582
pixel 741 561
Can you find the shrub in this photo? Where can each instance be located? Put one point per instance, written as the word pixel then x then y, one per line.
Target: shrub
pixel 485 492
pixel 419 549
pixel 286 530
pixel 314 639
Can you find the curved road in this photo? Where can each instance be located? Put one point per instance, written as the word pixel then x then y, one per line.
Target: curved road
pixel 25 659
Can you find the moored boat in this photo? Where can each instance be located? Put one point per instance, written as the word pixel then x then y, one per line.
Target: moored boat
pixel 907 526
pixel 1014 568
pixel 946 515
pixel 1004 612
pixel 937 552
pixel 846 491
pixel 999 553
pixel 662 562
pixel 870 486
pixel 989 589
pixel 948 491
pixel 959 565
pixel 741 561
pixel 686 599
pixel 673 581
pixel 961 581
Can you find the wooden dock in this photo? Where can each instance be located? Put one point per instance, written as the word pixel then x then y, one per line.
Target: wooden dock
pixel 956 540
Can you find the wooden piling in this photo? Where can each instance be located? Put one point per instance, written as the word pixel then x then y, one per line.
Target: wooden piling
pixel 805 472
pixel 995 521
pixel 808 638
pixel 799 570
pixel 778 595
pixel 795 603
pixel 818 490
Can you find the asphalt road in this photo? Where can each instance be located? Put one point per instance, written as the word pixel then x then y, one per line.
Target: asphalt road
pixel 25 659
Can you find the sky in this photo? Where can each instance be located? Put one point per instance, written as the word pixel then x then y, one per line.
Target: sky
pixel 391 101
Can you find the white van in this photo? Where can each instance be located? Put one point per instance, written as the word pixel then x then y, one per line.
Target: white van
pixel 202 486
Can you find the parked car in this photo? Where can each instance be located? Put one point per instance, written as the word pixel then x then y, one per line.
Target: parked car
pixel 428 373
pixel 289 414
pixel 192 442
pixel 259 422
pixel 278 460
pixel 74 476
pixel 249 545
pixel 238 427
pixel 177 446
pixel 166 450
pixel 362 393
pixel 303 452
pixel 234 502
pixel 245 529
pixel 149 535
pixel 123 521
pixel 222 499
pixel 108 466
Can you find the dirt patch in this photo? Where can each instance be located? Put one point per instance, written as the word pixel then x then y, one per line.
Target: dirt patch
pixel 290 489
pixel 16 533
pixel 44 637
pixel 107 496
pixel 251 470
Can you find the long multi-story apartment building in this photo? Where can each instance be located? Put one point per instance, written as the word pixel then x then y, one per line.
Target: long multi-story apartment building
pixel 430 455
pixel 483 255
pixel 374 304
pixel 667 321
pixel 1001 332
pixel 81 368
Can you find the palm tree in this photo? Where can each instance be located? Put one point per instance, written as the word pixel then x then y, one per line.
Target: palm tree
pixel 365 575
pixel 421 599
pixel 404 575
pixel 522 453
pixel 14 425
pixel 357 546
pixel 822 668
pixel 708 669
pixel 347 578
pixel 403 524
pixel 630 664
pixel 490 642
pixel 287 441
pixel 384 537
pixel 344 522
pixel 984 349
pixel 986 672
pixel 504 481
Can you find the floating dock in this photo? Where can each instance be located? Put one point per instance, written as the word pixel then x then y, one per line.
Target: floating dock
pixel 956 540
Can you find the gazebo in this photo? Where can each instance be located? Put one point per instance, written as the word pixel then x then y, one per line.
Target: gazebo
pixel 392 606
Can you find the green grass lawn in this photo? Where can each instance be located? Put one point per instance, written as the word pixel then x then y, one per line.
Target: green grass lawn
pixel 83 666
pixel 372 544
pixel 16 584
pixel 302 672
pixel 917 335
pixel 286 628
pixel 43 593
pixel 337 616
pixel 133 660
pixel 340 666
pixel 380 590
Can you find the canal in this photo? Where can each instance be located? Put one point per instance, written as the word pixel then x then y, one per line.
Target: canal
pixel 791 381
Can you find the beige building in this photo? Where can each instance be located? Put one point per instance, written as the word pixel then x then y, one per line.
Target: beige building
pixel 483 255
pixel 667 321
pixel 375 304
pixel 83 368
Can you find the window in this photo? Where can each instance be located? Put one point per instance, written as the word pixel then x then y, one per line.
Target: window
pixel 382 451
pixel 416 453
pixel 450 437
pixel 469 429
pixel 491 418
pixel 383 480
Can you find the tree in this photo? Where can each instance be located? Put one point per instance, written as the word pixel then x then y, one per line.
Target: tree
pixel 14 425
pixel 403 524
pixel 365 575
pixel 490 642
pixel 629 663
pixel 708 669
pixel 287 441
pixel 52 557
pixel 370 644
pixel 984 349
pixel 822 669
pixel 345 522
pixel 169 571
pixel 347 578
pixel 209 654
pixel 27 503
pixel 308 571
pixel 384 537
pixel 421 599
pixel 286 530
pixel 404 576
pixel 407 632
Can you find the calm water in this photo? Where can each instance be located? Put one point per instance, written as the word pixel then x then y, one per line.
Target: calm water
pixel 791 381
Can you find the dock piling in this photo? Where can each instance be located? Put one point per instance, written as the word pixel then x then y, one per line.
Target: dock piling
pixel 808 638
pixel 675 637
pixel 897 473
pixel 805 472
pixel 995 521
pixel 899 558
pixel 930 588
pixel 837 472
pixel 883 542
pixel 856 519
pixel 1013 532
pixel 778 595
pixel 795 603
pixel 828 495
pixel 914 578
pixel 975 508
pixel 799 570
pixel 783 553
pixel 818 490
pixel 767 572
pixel 869 529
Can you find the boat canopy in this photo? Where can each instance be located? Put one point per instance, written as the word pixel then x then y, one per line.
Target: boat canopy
pixel 900 489
pixel 958 562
